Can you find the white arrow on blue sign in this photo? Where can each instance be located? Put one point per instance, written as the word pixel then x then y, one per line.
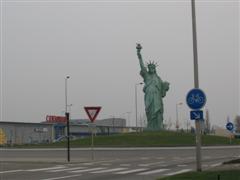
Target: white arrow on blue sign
pixel 196 115
pixel 229 126
pixel 196 98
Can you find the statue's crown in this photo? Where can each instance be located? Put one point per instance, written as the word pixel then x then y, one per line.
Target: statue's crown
pixel 139 46
pixel 152 64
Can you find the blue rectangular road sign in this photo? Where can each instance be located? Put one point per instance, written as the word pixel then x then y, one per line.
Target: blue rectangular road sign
pixel 196 115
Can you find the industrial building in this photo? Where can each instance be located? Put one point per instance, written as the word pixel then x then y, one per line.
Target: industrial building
pixel 54 128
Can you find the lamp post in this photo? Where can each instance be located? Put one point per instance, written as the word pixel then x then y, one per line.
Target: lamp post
pixel 136 110
pixel 196 85
pixel 177 121
pixel 67 118
pixel 66 103
pixel 69 109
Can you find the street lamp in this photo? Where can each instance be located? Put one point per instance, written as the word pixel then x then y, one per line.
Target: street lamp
pixel 66 105
pixel 69 108
pixel 136 113
pixel 67 118
pixel 177 121
pixel 196 85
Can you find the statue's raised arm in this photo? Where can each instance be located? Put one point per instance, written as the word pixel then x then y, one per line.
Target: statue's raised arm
pixel 139 47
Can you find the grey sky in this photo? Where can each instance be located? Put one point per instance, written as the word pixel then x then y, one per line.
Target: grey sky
pixel 94 43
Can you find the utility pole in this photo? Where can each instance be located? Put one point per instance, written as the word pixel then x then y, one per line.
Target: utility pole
pixel 196 85
pixel 67 119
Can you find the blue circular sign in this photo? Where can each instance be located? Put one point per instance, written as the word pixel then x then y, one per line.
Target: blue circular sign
pixel 196 98
pixel 229 126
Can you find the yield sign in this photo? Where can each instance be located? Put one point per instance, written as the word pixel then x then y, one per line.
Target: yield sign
pixel 92 112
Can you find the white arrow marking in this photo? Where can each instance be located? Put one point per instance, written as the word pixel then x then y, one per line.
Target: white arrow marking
pixel 197 115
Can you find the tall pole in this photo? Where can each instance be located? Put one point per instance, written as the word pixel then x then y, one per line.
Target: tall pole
pixel 196 85
pixel 136 109
pixel 136 105
pixel 67 118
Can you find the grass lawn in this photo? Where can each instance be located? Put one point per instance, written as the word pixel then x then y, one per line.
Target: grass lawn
pixel 207 175
pixel 144 139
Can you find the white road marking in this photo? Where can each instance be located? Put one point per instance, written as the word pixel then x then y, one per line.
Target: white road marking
pixel 214 165
pixel 178 172
pixel 144 165
pixel 106 161
pixel 63 177
pixel 108 170
pixel 190 158
pixel 160 158
pixel 149 164
pixel 44 169
pixel 153 171
pixel 98 162
pixel 177 158
pixel 182 165
pixel 125 165
pixel 145 158
pixel 87 164
pixel 67 169
pixel 106 164
pixel 11 171
pixel 87 170
pixel 131 171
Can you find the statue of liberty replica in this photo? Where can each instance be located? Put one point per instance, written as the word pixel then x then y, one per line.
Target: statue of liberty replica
pixel 154 92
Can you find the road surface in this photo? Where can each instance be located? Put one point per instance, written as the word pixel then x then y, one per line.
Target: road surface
pixel 108 163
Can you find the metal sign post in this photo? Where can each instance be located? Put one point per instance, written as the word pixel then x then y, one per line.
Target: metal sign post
pixel 196 99
pixel 92 145
pixel 92 112
pixel 92 126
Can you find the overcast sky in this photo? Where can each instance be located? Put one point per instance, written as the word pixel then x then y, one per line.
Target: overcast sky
pixel 94 43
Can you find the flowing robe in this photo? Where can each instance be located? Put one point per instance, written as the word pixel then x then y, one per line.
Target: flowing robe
pixel 155 89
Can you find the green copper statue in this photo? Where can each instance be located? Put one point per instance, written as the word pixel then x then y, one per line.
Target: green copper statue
pixel 155 89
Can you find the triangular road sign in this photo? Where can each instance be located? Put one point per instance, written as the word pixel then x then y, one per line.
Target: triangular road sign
pixel 92 112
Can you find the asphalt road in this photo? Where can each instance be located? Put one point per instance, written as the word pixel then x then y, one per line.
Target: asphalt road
pixel 107 163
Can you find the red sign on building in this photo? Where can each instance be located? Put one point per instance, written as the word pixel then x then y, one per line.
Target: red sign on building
pixel 56 119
